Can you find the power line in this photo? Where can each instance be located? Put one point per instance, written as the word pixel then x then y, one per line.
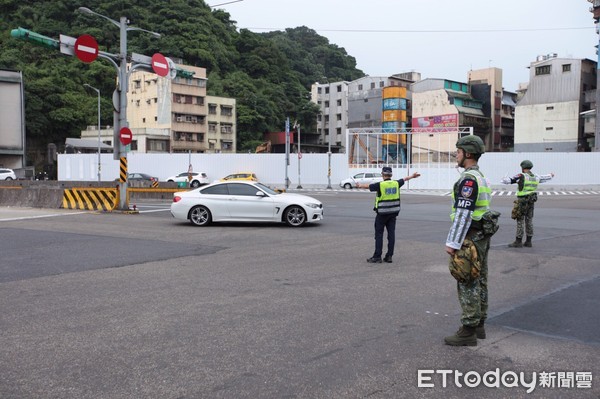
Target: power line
pixel 430 31
pixel 222 4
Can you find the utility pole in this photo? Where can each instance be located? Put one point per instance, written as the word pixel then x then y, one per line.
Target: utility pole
pixel 595 9
pixel 297 127
pixel 120 116
pixel 329 163
pixel 287 151
pixel 99 139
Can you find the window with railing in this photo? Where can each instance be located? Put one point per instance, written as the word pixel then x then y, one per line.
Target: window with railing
pixel 212 109
pixel 226 128
pixel 226 111
pixel 212 127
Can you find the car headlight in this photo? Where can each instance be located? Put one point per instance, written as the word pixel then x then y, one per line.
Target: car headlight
pixel 314 206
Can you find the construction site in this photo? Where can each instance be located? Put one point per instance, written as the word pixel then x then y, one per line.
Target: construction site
pixel 404 147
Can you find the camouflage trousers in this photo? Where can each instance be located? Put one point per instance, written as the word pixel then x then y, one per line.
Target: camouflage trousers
pixel 525 222
pixel 473 295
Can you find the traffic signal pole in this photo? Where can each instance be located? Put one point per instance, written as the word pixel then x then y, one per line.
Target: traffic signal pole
pixel 122 87
pixel 66 46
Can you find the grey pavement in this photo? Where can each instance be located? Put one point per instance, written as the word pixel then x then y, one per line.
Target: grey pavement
pixel 105 305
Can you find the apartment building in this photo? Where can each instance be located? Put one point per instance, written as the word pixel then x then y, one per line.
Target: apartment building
pixel 175 115
pixel 498 105
pixel 445 104
pixel 551 114
pixel 365 98
pixel 356 104
pixel 332 121
pixel 221 124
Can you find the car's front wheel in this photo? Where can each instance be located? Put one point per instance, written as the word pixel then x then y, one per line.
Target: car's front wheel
pixel 9 178
pixel 294 216
pixel 200 216
pixel 347 185
pixel 195 184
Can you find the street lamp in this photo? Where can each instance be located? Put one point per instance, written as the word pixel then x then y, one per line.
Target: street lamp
pixel 121 114
pixel 329 162
pixel 99 141
pixel 85 10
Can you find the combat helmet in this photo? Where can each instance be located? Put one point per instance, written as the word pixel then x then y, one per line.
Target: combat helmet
pixel 471 144
pixel 526 164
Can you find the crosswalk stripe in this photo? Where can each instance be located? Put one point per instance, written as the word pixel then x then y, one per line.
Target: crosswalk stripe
pixel 497 193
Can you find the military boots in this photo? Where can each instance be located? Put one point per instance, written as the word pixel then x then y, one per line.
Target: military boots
pixel 465 336
pixel 527 242
pixel 517 244
pixel 480 330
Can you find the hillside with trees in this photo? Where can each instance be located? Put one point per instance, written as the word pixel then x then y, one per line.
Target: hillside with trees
pixel 269 74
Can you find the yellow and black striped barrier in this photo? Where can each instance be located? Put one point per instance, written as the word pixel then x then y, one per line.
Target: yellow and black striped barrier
pixel 123 169
pixel 105 199
pixel 154 184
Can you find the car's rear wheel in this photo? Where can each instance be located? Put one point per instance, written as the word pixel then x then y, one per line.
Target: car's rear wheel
pixel 200 216
pixel 347 185
pixel 294 216
pixel 195 184
pixel 9 178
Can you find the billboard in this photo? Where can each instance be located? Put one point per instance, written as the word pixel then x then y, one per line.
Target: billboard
pixel 424 124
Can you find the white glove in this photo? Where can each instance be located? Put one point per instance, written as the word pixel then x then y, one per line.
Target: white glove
pixel 505 180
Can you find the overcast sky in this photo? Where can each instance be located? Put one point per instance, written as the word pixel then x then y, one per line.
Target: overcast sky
pixel 438 38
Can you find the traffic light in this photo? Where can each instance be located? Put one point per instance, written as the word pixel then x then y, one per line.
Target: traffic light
pixel 36 38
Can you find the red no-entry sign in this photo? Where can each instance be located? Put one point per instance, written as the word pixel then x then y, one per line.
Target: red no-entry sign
pixel 125 136
pixel 160 65
pixel 86 48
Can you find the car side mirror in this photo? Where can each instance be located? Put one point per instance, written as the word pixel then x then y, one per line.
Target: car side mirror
pixel 260 194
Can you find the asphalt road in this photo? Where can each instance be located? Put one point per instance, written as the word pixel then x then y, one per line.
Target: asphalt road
pixel 110 305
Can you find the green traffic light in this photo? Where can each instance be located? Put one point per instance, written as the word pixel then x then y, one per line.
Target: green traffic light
pixel 36 38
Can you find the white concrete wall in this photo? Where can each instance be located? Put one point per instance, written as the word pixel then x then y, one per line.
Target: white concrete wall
pixel 571 169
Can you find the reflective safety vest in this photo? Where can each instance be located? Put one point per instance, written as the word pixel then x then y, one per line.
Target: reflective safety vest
pixel 388 200
pixel 484 195
pixel 529 185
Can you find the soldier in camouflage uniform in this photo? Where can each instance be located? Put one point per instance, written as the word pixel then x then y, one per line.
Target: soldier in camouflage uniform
pixel 526 197
pixel 467 244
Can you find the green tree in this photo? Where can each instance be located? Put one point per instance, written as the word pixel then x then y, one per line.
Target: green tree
pixel 269 74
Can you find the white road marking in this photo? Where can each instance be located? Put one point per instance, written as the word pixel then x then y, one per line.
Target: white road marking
pixel 40 216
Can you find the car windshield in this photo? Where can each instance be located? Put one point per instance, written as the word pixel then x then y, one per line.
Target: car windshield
pixel 266 189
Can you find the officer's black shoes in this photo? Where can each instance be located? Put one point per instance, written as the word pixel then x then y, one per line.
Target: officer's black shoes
pixel 517 243
pixel 465 336
pixel 527 242
pixel 374 260
pixel 387 259
pixel 480 330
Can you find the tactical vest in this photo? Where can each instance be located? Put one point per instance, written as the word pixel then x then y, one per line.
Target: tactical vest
pixel 388 200
pixel 484 195
pixel 530 184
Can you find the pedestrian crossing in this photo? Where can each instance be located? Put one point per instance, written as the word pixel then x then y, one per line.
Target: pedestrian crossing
pixel 444 193
pixel 502 193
